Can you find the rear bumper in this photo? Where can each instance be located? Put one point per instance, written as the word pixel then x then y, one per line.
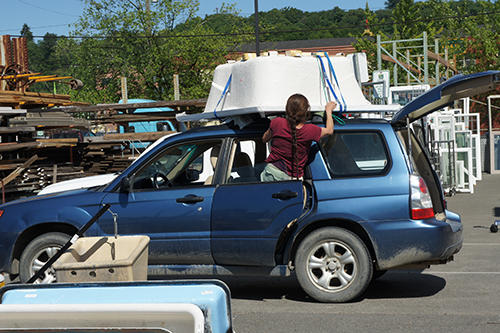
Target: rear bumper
pixel 399 243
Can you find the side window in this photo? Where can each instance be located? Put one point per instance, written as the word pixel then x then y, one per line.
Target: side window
pixel 187 164
pixel 246 161
pixel 351 154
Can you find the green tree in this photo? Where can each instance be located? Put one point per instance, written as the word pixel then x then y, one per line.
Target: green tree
pixel 147 47
pixel 26 32
pixel 391 4
pixel 472 34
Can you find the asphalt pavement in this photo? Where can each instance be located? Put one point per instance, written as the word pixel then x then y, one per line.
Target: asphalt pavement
pixel 461 296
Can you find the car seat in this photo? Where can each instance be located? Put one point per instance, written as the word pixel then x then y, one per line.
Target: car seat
pixel 243 167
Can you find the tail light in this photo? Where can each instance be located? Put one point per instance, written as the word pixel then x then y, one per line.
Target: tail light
pixel 421 202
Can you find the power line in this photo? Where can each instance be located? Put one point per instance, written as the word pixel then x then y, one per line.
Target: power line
pixel 234 34
pixel 45 9
pixel 41 27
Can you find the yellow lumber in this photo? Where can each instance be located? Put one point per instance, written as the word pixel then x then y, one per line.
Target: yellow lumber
pixel 8 77
pixel 53 79
pixel 41 76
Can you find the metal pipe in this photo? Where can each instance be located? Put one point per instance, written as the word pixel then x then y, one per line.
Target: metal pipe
pixel 436 50
pixel 408 62
pixel 403 40
pixel 257 46
pixel 395 69
pixel 379 53
pixel 426 59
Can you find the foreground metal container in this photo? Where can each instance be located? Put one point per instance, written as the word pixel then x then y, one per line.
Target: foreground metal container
pixel 176 306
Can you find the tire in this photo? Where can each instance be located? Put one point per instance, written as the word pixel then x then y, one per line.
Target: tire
pixel 326 272
pixel 37 253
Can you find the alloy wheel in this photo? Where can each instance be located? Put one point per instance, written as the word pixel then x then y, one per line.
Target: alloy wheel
pixel 332 266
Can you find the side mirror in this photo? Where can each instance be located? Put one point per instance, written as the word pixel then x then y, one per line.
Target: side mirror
pixel 192 175
pixel 125 185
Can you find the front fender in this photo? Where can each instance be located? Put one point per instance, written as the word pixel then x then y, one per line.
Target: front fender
pixel 73 208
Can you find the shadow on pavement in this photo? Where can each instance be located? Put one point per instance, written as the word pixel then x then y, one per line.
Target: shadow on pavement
pixel 399 284
pixel 405 285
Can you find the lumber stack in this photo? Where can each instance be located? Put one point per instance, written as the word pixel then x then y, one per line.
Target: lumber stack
pixel 100 158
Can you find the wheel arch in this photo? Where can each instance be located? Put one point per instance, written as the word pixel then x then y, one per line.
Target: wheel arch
pixel 352 226
pixel 33 232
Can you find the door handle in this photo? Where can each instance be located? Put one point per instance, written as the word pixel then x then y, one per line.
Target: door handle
pixel 189 199
pixel 285 195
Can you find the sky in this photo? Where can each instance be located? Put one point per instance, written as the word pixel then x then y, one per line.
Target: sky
pixel 56 16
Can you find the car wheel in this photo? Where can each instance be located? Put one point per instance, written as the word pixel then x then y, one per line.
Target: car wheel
pixel 37 253
pixel 333 265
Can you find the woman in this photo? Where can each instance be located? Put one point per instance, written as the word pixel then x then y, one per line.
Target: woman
pixel 291 140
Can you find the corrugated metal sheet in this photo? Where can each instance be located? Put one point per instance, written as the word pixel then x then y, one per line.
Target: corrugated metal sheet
pixel 20 53
pixel 14 57
pixel 5 51
pixel 5 57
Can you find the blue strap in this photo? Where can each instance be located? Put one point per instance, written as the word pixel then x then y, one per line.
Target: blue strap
pixel 226 88
pixel 344 107
pixel 329 83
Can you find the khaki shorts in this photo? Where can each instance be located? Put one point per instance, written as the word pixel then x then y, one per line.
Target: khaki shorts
pixel 273 174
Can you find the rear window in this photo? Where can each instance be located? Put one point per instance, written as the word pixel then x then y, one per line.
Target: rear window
pixel 351 154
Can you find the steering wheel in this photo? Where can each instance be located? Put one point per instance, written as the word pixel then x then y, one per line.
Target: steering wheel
pixel 160 181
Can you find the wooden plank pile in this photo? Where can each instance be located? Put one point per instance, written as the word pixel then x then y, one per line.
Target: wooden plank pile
pixel 62 159
pixel 114 152
pixel 106 158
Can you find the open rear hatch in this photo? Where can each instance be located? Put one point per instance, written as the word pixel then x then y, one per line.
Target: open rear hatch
pixel 445 94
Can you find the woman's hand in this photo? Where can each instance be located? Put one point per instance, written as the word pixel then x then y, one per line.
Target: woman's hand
pixel 330 106
pixel 328 129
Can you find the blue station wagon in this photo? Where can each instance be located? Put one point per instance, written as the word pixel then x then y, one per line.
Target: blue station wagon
pixel 370 201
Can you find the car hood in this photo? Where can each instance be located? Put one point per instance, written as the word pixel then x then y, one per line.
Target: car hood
pixel 442 95
pixel 79 183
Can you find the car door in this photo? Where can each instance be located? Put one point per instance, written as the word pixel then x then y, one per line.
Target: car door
pixel 248 215
pixel 170 203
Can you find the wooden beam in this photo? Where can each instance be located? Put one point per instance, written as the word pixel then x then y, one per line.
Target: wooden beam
pixel 10 166
pixel 17 98
pixel 442 61
pixel 133 118
pixel 18 170
pixel 16 129
pixel 405 65
pixel 148 136
pixel 196 103
pixel 117 137
pixel 54 173
pixel 62 140
pixel 11 146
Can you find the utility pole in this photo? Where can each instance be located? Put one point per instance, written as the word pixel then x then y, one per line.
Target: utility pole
pixel 257 47
pixel 148 13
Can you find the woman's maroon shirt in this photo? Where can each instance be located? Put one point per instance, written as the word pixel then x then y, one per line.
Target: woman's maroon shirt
pixel 281 145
